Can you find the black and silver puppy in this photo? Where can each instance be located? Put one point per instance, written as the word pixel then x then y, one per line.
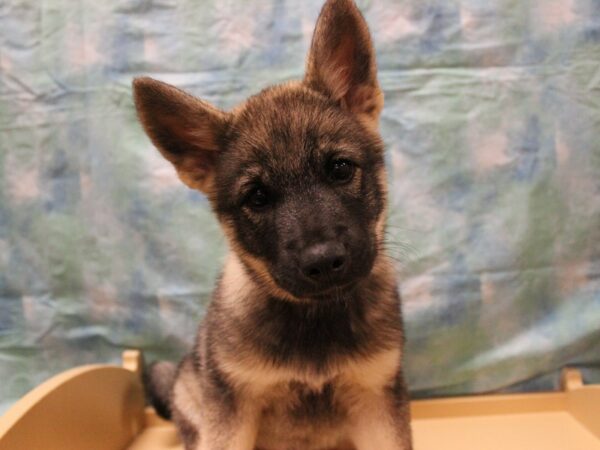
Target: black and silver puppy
pixel 301 347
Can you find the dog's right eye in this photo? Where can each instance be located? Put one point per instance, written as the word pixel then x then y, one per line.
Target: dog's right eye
pixel 257 199
pixel 340 171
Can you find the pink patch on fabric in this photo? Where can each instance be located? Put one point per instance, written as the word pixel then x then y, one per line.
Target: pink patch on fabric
pixel 102 298
pixel 236 25
pixel 5 63
pixel 23 185
pixel 416 294
pixel 488 290
pixel 553 14
pixel 489 152
pixel 399 163
pixel 85 182
pixel 151 52
pixel 572 276
pixel 562 150
pixel 393 22
pixel 477 23
pixel 468 22
pixel 92 56
pixel 162 174
pixel 82 48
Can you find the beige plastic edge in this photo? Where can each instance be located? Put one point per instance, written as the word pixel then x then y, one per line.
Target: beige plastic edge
pixel 582 401
pixel 102 408
pixel 564 420
pixel 95 407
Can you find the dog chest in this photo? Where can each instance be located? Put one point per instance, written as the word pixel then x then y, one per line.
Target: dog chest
pixel 297 415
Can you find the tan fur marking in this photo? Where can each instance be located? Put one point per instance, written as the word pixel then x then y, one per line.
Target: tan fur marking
pixel 258 267
pixel 374 372
pixel 370 111
pixel 381 222
pixel 373 429
pixel 372 426
pixel 242 437
pixel 235 285
pixel 187 395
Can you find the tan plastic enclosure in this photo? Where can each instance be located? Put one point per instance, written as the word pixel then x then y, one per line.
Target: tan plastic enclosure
pixel 101 407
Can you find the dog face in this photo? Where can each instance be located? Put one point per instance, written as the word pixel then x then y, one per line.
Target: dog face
pixel 296 173
pixel 299 186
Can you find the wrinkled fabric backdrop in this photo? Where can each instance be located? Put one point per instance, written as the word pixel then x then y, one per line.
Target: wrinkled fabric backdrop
pixel 492 124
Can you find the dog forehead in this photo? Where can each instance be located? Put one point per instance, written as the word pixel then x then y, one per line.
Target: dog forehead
pixel 285 124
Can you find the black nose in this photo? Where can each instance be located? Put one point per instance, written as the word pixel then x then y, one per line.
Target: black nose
pixel 323 261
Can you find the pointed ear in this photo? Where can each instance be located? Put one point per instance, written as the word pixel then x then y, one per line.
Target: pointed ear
pixel 341 62
pixel 186 130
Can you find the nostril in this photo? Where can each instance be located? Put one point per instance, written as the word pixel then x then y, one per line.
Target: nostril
pixel 291 245
pixel 337 263
pixel 341 229
pixel 314 272
pixel 324 261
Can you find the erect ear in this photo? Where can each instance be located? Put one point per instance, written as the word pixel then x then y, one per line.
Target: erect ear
pixel 186 130
pixel 341 62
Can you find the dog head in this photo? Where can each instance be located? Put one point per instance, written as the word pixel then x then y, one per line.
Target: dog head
pixel 296 173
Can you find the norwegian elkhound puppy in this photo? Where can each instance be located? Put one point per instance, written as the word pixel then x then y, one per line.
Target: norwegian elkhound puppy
pixel 301 347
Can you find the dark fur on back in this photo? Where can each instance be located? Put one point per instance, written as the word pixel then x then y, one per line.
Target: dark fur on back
pixel 301 346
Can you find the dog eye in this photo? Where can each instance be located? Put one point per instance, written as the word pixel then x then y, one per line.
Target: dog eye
pixel 257 199
pixel 340 170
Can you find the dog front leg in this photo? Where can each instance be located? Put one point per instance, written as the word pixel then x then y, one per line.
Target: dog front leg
pixel 209 413
pixel 382 429
pixel 236 432
pixel 215 428
pixel 383 421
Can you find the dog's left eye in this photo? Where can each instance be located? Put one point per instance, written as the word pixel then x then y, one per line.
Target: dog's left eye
pixel 340 170
pixel 257 199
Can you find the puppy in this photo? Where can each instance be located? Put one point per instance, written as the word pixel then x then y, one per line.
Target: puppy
pixel 301 347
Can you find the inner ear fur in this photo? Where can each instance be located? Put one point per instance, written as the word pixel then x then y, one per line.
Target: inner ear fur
pixel 186 130
pixel 341 62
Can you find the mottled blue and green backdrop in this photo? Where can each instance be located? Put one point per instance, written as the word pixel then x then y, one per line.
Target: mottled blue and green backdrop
pixel 492 122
